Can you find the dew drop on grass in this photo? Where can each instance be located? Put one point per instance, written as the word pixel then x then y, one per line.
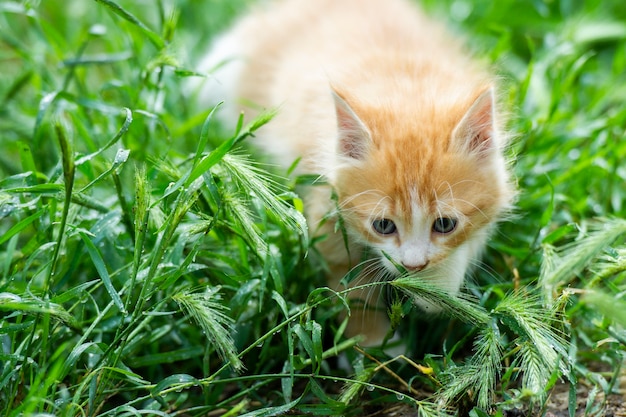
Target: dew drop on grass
pixel 5 211
pixel 574 154
pixel 370 388
pixel 400 397
pixel 98 30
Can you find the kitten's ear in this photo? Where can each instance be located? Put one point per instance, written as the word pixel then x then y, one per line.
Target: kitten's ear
pixel 354 138
pixel 475 132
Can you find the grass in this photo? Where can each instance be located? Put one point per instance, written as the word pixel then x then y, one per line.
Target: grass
pixel 149 266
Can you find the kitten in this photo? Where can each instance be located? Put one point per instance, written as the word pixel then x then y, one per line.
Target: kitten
pixel 398 119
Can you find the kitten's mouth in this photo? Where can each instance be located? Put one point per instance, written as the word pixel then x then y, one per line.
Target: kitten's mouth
pixel 401 272
pixel 402 269
pixel 410 269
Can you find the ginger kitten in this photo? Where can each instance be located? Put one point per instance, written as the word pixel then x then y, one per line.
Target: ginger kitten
pixel 398 119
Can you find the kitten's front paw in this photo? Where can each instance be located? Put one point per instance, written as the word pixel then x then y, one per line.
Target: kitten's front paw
pixel 372 325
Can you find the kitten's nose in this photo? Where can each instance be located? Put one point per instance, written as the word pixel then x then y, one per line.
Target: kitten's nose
pixel 414 268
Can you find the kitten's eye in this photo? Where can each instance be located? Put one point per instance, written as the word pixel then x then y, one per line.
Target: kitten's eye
pixel 384 226
pixel 444 225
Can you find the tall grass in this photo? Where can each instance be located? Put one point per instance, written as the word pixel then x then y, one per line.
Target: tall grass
pixel 150 265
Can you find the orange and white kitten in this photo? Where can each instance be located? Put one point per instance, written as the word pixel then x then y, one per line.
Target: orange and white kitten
pixel 398 119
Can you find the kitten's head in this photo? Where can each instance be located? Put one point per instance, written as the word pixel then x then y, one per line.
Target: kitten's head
pixel 415 183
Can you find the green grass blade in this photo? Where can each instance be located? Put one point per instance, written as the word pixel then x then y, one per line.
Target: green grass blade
pixel 126 15
pixel 273 411
pixel 100 266
pixel 28 162
pixel 204 134
pixel 173 381
pixel 67 155
pixel 44 104
pixel 120 133
pixel 21 225
pixel 216 155
pixel 172 356
pixel 120 158
pixel 37 189
pixel 12 302
pixel 202 142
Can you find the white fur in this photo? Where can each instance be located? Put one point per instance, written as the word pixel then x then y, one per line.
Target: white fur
pixel 417 247
pixel 222 67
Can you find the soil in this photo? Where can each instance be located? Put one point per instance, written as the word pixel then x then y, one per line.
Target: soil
pixel 595 405
pixel 557 406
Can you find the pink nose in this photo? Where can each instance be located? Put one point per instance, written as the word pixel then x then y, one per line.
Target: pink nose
pixel 414 268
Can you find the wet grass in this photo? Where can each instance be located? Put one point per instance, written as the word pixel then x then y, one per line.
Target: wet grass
pixel 149 266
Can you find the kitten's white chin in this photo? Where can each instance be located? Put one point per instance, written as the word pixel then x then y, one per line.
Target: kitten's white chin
pixel 448 275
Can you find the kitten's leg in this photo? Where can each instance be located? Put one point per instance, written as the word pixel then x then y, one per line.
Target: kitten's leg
pixel 368 313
